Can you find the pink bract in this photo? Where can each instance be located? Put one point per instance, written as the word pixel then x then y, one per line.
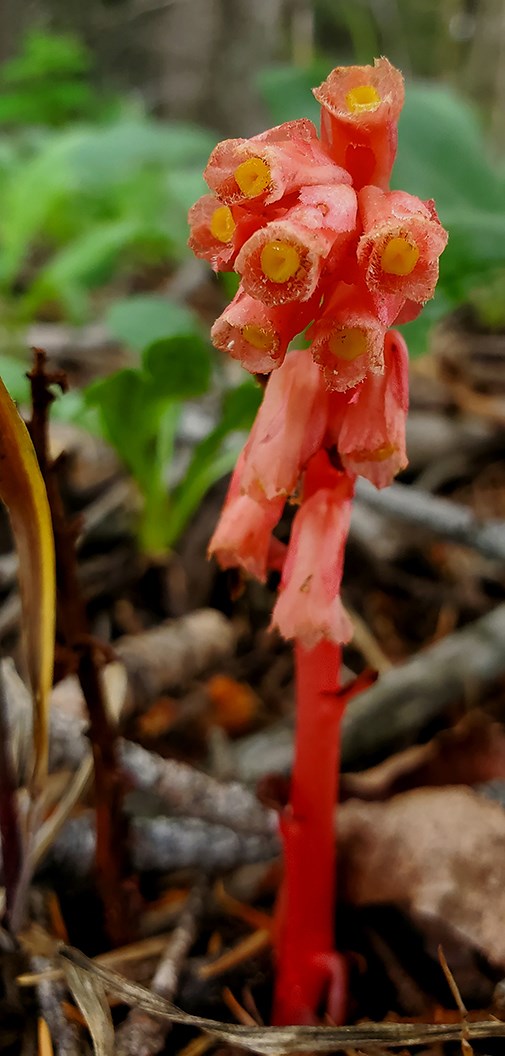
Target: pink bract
pixel 288 430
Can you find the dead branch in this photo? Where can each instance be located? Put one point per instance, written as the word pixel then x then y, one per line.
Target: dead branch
pixel 171 655
pixel 446 519
pixel 402 702
pixel 160 845
pixel 50 995
pixel 141 1032
pixel 193 793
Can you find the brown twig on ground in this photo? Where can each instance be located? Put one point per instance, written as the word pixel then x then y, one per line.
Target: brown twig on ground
pixel 141 1032
pixel 73 630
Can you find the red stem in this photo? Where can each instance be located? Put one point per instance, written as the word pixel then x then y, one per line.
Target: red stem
pixel 309 971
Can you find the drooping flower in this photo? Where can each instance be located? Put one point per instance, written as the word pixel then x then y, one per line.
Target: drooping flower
pixel 368 423
pixel 217 231
pixel 360 109
pixel 288 430
pixel 348 337
pixel 243 536
pixel 259 336
pixel 401 242
pixel 259 171
pixel 309 607
pixel 284 260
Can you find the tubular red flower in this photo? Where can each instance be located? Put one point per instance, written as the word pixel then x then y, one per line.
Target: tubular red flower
pixel 288 430
pixel 259 336
pixel 401 242
pixel 243 536
pixel 369 423
pixel 284 261
pixel 360 110
pixel 217 231
pixel 348 338
pixel 309 607
pixel 259 171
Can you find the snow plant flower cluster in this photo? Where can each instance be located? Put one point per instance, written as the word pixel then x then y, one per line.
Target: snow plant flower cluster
pixel 317 238
pixel 322 246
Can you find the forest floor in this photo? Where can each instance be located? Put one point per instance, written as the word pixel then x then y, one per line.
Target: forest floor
pixel 202 695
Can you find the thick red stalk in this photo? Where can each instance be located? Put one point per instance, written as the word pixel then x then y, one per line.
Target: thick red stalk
pixel 310 974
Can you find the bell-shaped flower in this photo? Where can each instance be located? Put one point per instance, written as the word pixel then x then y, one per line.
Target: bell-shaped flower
pixel 243 536
pixel 217 231
pixel 348 336
pixel 262 170
pixel 368 423
pixel 288 429
pixel 401 242
pixel 284 260
pixel 360 110
pixel 259 336
pixel 309 607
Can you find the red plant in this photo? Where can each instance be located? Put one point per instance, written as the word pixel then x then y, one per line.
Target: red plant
pixel 317 237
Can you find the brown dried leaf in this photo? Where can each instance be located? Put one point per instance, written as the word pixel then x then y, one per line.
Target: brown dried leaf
pixel 471 752
pixel 89 994
pixel 281 1041
pixel 438 852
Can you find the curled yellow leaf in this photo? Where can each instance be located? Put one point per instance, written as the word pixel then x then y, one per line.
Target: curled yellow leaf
pixel 23 491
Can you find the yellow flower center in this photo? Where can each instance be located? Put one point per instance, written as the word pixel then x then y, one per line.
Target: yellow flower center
pixel 379 455
pixel 363 98
pixel 279 261
pixel 258 337
pixel 253 176
pixel 222 224
pixel 399 257
pixel 348 343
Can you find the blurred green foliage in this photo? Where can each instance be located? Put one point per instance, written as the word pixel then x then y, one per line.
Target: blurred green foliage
pixel 140 410
pixel 94 192
pixel 442 155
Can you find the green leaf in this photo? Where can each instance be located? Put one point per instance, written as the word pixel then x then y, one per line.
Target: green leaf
pixel 180 367
pixel 141 320
pixel 82 262
pixel 13 374
pixel 287 91
pixel 442 153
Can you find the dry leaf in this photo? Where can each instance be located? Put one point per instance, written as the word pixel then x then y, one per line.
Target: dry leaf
pixel 280 1041
pixel 23 491
pixel 470 753
pixel 88 992
pixel 438 852
pixel 234 704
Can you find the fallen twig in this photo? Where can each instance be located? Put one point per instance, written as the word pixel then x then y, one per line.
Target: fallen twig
pixel 188 791
pixel 50 995
pixel 400 704
pixel 163 844
pixel 140 1031
pixel 441 516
